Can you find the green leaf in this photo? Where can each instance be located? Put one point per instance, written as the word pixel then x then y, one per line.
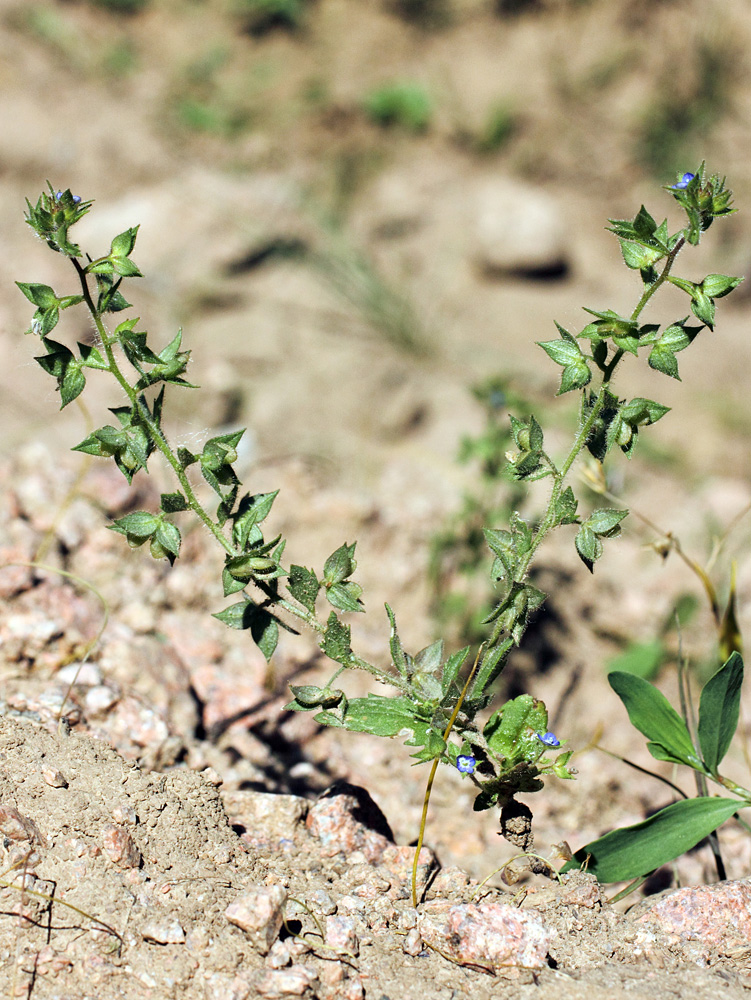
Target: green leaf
pixel 563 352
pixel 637 850
pixel 589 547
pixel 172 503
pixel 122 245
pixel 451 670
pixel 264 628
pixel 139 524
pixel 652 714
pixel 719 707
pixel 168 536
pixel 41 295
pixel 345 596
pixel 340 565
pixel 336 642
pixel 511 731
pixel 703 308
pixel 565 507
pixel 251 510
pixel 378 715
pixel 639 256
pixel 644 224
pixel 574 377
pixel 603 521
pixel 718 285
pixel 303 585
pixel 401 660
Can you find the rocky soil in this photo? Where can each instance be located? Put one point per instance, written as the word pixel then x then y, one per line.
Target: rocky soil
pixel 169 830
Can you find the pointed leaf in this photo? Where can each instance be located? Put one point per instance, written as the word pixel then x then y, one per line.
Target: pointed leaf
pixel 718 711
pixel 653 715
pixel 637 850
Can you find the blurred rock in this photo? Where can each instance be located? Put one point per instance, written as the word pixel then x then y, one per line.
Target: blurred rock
pixel 293 982
pixel 705 920
pixel 519 230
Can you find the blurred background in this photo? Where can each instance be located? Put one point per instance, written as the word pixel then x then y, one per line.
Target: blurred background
pixel 362 210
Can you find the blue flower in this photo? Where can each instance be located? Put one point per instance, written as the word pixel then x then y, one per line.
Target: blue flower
pixel 76 199
pixel 58 196
pixel 683 183
pixel 549 739
pixel 466 763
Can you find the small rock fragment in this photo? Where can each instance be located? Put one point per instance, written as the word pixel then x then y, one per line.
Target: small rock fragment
pixel 292 982
pixel 54 778
pixel 259 912
pixel 119 846
pixel 14 826
pixel 341 935
pixel 412 943
pixel 163 932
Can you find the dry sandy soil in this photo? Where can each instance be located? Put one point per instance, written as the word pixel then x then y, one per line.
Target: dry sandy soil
pixel 340 296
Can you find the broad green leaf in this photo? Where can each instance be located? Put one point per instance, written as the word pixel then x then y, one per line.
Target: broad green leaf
pixel 303 585
pixel 171 503
pixel 251 510
pixel 379 715
pixel 140 524
pixel 563 352
pixel 589 546
pixel 718 711
pixel 345 596
pixel 603 521
pixel 264 628
pixel 637 850
pixel 340 565
pixel 451 670
pixel 168 536
pixel 511 731
pixel 428 660
pixel 574 376
pixel 718 285
pixel 41 295
pixel 565 508
pixel 336 640
pixel 652 714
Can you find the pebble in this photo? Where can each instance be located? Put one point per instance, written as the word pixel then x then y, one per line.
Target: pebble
pixel 54 778
pixel 292 982
pixel 341 934
pixel 119 846
pixel 259 911
pixel 163 932
pixel 332 820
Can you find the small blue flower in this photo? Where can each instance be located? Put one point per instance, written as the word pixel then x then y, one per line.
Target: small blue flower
pixel 76 199
pixel 466 763
pixel 683 183
pixel 58 196
pixel 549 739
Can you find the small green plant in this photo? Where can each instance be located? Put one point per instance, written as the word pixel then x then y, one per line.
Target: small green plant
pixel 403 104
pixel 501 124
pixel 459 554
pixel 438 711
